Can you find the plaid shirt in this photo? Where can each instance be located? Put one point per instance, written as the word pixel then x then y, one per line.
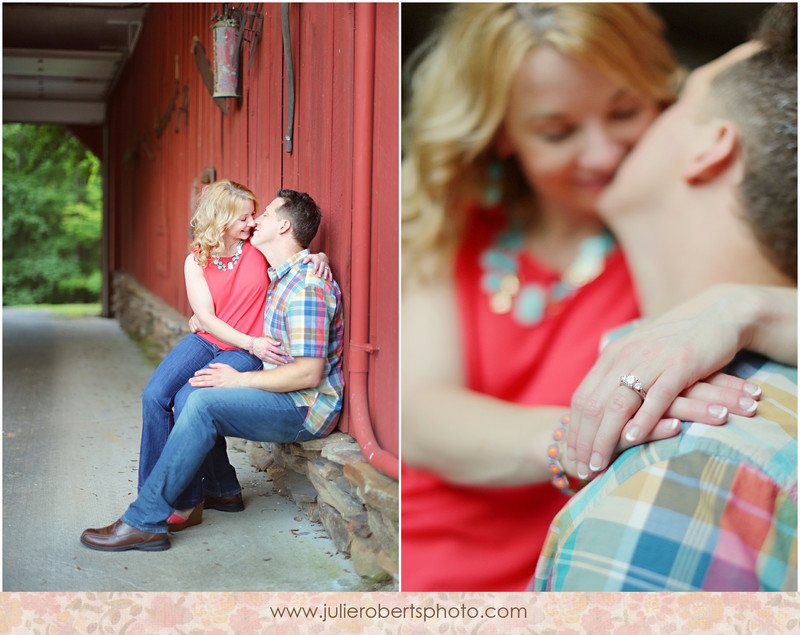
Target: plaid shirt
pixel 304 312
pixel 715 508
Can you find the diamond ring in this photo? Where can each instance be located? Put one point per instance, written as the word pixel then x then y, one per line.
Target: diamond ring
pixel 629 381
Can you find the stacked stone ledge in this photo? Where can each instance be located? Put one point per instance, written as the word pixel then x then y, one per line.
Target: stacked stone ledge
pixel 333 484
pixel 146 317
pixel 329 479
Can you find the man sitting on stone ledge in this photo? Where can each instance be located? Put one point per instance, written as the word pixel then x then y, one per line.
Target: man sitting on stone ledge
pixel 297 401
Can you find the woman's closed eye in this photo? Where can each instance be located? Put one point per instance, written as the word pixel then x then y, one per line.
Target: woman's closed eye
pixel 555 133
pixel 625 106
pixel 623 114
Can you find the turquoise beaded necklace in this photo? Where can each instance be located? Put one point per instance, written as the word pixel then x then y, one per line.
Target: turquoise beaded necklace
pixel 234 259
pixel 529 303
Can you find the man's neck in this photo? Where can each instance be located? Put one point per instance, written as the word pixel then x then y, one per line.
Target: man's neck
pixel 669 266
pixel 279 252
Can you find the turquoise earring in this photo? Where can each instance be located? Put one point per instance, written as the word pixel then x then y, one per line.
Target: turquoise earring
pixel 493 192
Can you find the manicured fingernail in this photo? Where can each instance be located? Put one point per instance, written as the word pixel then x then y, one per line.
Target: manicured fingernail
pixel 632 434
pixel 748 405
pixel 570 454
pixel 672 424
pixel 582 471
pixel 596 463
pixel 754 390
pixel 718 412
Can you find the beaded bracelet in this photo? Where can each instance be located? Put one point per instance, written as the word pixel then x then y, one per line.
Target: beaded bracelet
pixel 252 343
pixel 560 478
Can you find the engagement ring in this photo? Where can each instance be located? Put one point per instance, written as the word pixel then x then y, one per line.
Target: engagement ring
pixel 629 381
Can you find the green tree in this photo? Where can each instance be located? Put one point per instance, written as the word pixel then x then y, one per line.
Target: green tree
pixel 52 217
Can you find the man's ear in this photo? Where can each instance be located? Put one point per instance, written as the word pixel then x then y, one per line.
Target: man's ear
pixel 285 226
pixel 715 158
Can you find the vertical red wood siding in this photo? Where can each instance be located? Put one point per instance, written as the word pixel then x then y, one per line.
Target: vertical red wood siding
pixel 151 177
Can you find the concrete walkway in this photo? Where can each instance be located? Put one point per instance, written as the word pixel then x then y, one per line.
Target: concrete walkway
pixel 71 425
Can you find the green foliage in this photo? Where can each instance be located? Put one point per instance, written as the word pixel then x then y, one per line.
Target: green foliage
pixel 64 310
pixel 52 217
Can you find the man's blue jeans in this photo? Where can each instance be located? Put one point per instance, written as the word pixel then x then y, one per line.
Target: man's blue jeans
pixel 209 415
pixel 169 387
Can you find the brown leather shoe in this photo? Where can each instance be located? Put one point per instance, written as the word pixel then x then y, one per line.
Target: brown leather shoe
pixel 224 503
pixel 122 537
pixel 195 518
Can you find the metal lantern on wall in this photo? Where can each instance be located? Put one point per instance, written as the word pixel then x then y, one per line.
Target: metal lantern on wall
pixel 226 55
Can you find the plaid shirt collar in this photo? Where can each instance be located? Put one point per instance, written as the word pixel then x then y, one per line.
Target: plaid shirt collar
pixel 276 273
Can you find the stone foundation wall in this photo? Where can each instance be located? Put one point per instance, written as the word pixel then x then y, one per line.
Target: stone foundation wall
pixel 333 484
pixel 146 317
pixel 328 478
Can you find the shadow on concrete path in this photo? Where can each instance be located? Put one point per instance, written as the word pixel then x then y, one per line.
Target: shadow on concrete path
pixel 71 426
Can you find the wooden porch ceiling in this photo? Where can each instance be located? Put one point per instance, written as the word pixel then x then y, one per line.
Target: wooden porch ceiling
pixel 61 60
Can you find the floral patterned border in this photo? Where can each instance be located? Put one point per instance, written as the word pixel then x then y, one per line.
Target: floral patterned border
pixel 244 613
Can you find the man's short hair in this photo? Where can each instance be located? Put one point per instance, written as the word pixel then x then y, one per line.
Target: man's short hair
pixel 759 94
pixel 301 210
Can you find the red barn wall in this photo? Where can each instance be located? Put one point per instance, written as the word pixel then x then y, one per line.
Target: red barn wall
pixel 151 177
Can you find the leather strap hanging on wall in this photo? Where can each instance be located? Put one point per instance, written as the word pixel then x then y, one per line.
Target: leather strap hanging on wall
pixel 162 123
pixel 183 109
pixel 204 66
pixel 287 56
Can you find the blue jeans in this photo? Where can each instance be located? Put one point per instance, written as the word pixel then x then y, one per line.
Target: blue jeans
pixel 168 388
pixel 209 415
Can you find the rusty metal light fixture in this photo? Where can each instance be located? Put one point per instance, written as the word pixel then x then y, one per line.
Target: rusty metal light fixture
pixel 234 27
pixel 226 52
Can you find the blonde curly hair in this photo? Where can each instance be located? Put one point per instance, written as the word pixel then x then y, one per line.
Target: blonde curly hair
pixel 459 92
pixel 216 210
